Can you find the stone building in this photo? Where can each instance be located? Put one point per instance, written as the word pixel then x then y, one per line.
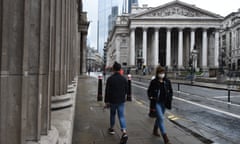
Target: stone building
pixel 230 41
pixel 94 59
pixel 118 42
pixel 42 43
pixel 172 35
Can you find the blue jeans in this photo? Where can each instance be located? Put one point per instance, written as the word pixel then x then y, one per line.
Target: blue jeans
pixel 119 108
pixel 159 122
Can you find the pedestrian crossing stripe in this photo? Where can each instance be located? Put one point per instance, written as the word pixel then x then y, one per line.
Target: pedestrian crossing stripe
pixel 173 117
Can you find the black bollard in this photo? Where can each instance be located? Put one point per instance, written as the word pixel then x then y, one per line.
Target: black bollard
pixel 99 96
pixel 129 93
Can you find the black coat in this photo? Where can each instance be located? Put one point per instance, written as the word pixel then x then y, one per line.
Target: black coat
pixel 154 88
pixel 116 89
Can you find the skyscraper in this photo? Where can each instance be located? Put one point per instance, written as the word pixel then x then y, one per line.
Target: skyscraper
pixel 130 3
pixel 107 13
pixel 108 10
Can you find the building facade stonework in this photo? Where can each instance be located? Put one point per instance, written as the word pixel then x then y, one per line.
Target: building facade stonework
pixel 230 41
pixel 173 35
pixel 41 44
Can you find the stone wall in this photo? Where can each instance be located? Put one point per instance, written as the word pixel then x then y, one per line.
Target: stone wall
pixel 39 57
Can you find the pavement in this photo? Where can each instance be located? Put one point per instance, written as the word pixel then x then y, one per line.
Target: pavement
pixel 92 121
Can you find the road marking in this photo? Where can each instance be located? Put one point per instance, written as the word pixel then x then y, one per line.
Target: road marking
pixel 211 99
pixel 200 105
pixel 221 97
pixel 139 86
pixel 173 117
pixel 183 93
pixel 207 107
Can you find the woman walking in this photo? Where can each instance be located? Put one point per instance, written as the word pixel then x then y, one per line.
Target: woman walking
pixel 160 90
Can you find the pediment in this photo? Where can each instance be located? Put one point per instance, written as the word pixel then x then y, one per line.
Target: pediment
pixel 177 9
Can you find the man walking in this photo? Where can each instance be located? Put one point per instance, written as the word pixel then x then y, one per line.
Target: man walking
pixel 115 97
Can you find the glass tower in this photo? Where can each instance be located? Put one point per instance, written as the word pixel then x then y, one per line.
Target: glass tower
pixel 130 2
pixel 108 10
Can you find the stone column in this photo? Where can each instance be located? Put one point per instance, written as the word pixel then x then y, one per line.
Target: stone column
pixel 83 28
pixel 192 39
pixel 144 46
pixel 132 48
pixel 13 105
pixel 33 64
pixel 45 57
pixel 63 48
pixel 117 47
pixel 168 54
pixel 216 50
pixel 204 48
pixel 156 47
pixel 57 54
pixel 84 52
pixel 180 48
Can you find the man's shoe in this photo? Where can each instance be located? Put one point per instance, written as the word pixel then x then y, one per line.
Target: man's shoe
pixel 111 131
pixel 124 138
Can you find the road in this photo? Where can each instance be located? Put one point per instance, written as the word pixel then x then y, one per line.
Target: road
pixel 202 110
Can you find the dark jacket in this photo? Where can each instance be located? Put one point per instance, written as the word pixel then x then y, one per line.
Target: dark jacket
pixel 153 92
pixel 116 89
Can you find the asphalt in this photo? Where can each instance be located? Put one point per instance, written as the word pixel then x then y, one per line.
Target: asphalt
pixel 92 121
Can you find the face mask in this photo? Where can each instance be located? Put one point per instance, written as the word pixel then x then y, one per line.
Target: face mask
pixel 161 75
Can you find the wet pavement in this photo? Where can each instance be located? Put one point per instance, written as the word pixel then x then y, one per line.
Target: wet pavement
pixel 92 121
pixel 202 110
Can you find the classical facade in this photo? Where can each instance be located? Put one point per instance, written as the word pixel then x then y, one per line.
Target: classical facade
pixel 173 35
pixel 94 60
pixel 42 43
pixel 230 41
pixel 118 42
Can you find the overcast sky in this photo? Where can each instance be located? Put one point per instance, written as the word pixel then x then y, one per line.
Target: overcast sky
pixel 222 7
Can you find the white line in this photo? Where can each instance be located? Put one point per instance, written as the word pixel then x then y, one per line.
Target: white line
pixel 183 92
pixel 203 106
pixel 207 107
pixel 141 83
pixel 139 86
pixel 220 97
pixel 211 99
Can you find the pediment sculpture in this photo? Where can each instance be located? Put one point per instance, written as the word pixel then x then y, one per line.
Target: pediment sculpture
pixel 176 10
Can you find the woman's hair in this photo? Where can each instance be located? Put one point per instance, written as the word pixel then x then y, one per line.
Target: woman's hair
pixel 159 69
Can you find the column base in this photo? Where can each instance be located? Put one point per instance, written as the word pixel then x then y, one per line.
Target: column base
pixel 205 71
pixel 51 138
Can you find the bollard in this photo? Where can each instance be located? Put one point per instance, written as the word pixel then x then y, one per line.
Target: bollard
pixel 129 93
pixel 229 93
pixel 99 95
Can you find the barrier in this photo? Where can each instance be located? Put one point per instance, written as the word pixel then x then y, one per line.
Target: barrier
pixel 129 93
pixel 99 95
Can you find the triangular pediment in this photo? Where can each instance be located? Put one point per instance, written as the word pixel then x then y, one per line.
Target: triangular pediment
pixel 177 9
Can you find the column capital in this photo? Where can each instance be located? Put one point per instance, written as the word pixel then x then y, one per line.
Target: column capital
pixel 156 28
pixel 204 28
pixel 180 28
pixel 168 28
pixel 193 29
pixel 132 28
pixel 144 28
